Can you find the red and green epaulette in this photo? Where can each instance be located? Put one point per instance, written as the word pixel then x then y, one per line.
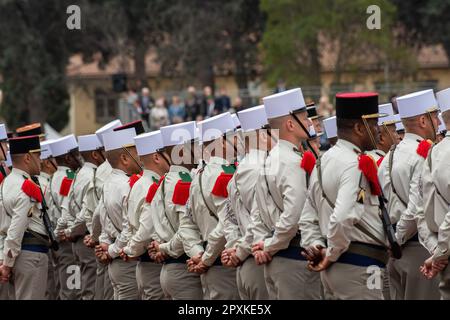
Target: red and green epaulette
pixel 66 183
pixel 153 188
pixel 423 148
pixel 221 184
pixel 32 190
pixel 133 179
pixel 308 162
pixel 181 190
pixel 369 169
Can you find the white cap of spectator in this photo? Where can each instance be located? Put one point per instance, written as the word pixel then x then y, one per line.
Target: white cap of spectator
pixel 8 160
pixel 148 143
pixel 217 126
pixel 46 152
pixel 89 142
pixel 178 134
pixel 3 133
pixel 330 127
pixel 63 145
pixel 284 103
pixel 417 103
pixel 443 98
pixel 253 118
pixel 107 128
pixel 114 140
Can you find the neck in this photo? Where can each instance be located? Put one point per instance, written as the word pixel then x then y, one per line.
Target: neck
pixel 351 139
pixel 155 168
pixel 420 133
pixel 21 167
pixel 295 141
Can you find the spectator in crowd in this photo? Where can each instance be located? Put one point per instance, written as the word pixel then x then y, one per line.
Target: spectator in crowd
pixel 132 97
pixel 177 112
pixel 159 115
pixel 192 105
pixel 237 105
pixel 222 102
pixel 208 102
pixel 281 86
pixel 325 108
pixel 144 105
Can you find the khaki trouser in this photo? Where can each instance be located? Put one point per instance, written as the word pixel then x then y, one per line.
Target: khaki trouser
pixel 64 260
pixel 250 281
pixel 88 268
pixel 30 275
pixel 103 286
pixel 288 279
pixel 343 281
pixel 407 282
pixel 52 282
pixel 219 283
pixel 444 283
pixel 147 278
pixel 180 284
pixel 123 279
pixel 7 291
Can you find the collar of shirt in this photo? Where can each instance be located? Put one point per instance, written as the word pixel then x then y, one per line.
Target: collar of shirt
pixel 119 172
pixel 175 168
pixel 20 172
pixel 45 175
pixel 347 145
pixel 63 168
pixel 412 136
pixel 90 165
pixel 380 152
pixel 150 173
pixel 256 154
pixel 286 144
pixel 217 160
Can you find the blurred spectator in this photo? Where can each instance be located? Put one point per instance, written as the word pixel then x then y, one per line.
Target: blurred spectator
pixel 132 97
pixel 144 105
pixel 281 86
pixel 177 112
pixel 237 105
pixel 325 108
pixel 207 105
pixel 192 104
pixel 222 102
pixel 159 115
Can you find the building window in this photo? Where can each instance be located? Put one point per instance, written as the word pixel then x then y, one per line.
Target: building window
pixel 106 106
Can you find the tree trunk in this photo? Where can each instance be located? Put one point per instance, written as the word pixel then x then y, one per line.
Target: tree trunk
pixel 206 75
pixel 140 71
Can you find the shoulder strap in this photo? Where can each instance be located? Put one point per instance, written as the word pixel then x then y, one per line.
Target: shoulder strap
pixel 429 161
pixel 267 185
pixel 211 213
pixel 57 205
pixel 163 198
pixel 95 187
pixel 319 178
pixel 391 161
pixel 3 199
pixel 331 204
pixel 107 214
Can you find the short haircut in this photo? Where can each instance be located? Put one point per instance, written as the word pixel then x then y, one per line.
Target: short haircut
pixel 344 126
pixel 446 117
pixel 114 156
